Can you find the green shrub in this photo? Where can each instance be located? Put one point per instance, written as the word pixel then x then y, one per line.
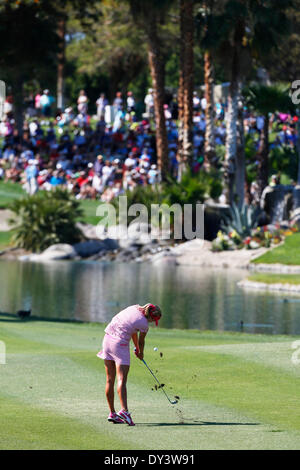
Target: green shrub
pixel 44 219
pixel 190 190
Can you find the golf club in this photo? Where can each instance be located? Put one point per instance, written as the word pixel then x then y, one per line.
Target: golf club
pixel 172 402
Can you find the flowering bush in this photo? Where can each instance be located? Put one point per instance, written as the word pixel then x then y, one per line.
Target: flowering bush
pixel 222 242
pixel 265 236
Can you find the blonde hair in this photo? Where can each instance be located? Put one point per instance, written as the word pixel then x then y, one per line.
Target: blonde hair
pixel 147 308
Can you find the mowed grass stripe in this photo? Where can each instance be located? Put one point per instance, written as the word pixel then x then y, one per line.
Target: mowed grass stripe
pixel 226 401
pixel 26 426
pixel 203 426
pixel 276 355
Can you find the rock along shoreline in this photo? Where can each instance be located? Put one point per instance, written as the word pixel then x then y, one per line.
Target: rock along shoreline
pixel 142 246
pixel 279 287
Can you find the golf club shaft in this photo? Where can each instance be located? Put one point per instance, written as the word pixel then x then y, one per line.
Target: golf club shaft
pixel 172 403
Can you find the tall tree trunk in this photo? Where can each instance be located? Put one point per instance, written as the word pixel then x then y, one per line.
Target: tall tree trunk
pixel 232 112
pixel 156 65
pixel 186 86
pixel 209 143
pixel 188 82
pixel 231 139
pixel 61 60
pixel 240 156
pixel 181 164
pixel 263 157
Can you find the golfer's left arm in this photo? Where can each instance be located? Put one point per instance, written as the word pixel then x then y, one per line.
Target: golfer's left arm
pixel 134 338
pixel 141 345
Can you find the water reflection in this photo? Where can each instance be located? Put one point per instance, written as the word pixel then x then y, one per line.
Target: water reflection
pixel 191 297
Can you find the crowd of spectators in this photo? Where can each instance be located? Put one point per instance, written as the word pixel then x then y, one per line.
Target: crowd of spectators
pixel 103 155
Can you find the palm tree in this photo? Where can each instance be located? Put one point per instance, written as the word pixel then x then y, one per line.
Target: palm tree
pixel 266 100
pixel 247 28
pixel 208 37
pixel 209 142
pixel 149 14
pixel 180 104
pixel 237 72
pixel 186 85
pixel 240 171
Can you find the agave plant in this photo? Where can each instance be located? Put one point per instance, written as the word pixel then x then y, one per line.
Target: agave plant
pixel 242 221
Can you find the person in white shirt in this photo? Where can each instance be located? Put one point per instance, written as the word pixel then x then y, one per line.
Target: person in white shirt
pixel 149 102
pixel 107 171
pixel 82 103
pixel 196 101
pixel 101 103
pixel 130 102
pixel 153 176
pixel 130 162
pixel 203 103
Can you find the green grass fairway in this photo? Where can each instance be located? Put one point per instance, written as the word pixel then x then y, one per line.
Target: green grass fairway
pixel 237 391
pixel 287 253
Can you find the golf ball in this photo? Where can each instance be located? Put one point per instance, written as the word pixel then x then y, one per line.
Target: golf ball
pixel 154 349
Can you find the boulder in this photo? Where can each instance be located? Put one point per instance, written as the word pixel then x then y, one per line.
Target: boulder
pixel 89 248
pixel 110 244
pixel 277 201
pixel 296 197
pixel 295 217
pixel 55 252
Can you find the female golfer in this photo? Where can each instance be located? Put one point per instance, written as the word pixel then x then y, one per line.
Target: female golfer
pixel 130 323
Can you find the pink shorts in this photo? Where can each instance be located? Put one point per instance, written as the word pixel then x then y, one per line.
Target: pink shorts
pixel 114 349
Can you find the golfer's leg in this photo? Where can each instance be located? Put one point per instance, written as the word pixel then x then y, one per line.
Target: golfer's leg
pixel 110 368
pixel 122 373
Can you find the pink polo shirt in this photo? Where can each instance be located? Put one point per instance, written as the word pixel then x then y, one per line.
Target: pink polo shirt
pixel 128 321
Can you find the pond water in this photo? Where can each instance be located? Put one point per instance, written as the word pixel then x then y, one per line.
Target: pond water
pixel 190 297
